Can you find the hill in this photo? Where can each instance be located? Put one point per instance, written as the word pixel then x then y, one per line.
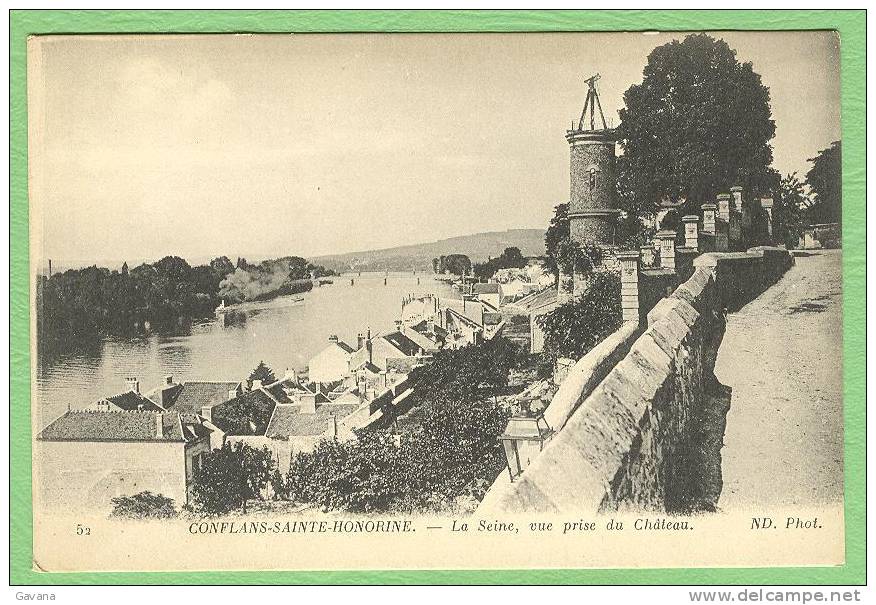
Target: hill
pixel 478 247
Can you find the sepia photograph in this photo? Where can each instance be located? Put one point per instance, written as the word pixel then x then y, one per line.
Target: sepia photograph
pixel 436 301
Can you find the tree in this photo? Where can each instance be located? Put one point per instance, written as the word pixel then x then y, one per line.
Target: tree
pixel 826 182
pixel 222 266
pixel 698 124
pixel 788 211
pixel 457 264
pixel 144 505
pixel 230 476
pixel 557 231
pixel 572 329
pixel 510 258
pixel 262 372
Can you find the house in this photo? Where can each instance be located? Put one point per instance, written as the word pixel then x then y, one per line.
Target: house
pixel 332 363
pixel 192 396
pixel 85 458
pixel 129 401
pixel 297 428
pixel 461 329
pixel 490 293
pixel 391 351
pixel 247 414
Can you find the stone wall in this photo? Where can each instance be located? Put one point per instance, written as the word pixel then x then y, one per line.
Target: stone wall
pixel 649 434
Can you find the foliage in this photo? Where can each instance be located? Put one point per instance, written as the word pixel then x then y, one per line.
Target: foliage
pixel 631 233
pixel 269 279
pixel 698 124
pixel 572 329
pixel 789 208
pixel 261 372
pixel 229 476
pixel 510 258
pixel 557 231
pixel 452 453
pixel 89 303
pixel 572 257
pixel 457 264
pixel 825 181
pixel 247 414
pixel 144 505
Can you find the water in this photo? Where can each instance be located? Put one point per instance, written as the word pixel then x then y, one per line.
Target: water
pixel 283 336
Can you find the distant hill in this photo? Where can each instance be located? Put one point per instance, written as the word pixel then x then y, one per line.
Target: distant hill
pixel 478 247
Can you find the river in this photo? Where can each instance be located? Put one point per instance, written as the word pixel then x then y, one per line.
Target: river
pixel 282 336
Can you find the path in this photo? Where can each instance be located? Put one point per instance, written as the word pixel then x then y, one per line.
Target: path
pixel 782 355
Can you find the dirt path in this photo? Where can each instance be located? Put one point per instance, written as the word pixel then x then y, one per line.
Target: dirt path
pixel 782 356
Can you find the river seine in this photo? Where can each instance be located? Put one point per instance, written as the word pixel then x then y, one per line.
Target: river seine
pixel 284 335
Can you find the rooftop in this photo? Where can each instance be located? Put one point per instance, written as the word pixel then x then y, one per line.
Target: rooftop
pixel 491 288
pixel 192 395
pixel 287 420
pixel 130 401
pixel 86 425
pixel 401 342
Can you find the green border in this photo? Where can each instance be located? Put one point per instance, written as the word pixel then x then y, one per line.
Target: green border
pixel 852 28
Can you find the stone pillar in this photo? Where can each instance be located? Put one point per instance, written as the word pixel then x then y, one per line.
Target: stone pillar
pixel 630 263
pixel 691 231
pixel 736 192
pixel 767 204
pixel 724 207
pixel 667 249
pixel 709 218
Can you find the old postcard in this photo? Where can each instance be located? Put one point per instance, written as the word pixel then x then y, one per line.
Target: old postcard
pixel 436 301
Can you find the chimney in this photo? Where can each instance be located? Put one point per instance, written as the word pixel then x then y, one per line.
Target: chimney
pixel 133 384
pixel 382 379
pixel 256 385
pixel 207 413
pixel 368 345
pixel 159 425
pixel 168 380
pixel 291 374
pixel 398 324
pixel 308 403
pixel 333 338
pixel 334 428
pixel 360 341
pixel 232 394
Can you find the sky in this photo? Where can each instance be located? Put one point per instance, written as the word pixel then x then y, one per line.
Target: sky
pixel 268 145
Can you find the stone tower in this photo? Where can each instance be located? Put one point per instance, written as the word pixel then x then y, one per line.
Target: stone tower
pixel 593 170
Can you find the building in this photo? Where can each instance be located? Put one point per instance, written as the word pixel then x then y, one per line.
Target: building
pixel 390 351
pixel 332 364
pixel 490 293
pixel 192 396
pixel 85 458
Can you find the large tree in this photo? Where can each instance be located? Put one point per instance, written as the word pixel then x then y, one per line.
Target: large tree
pixel 825 181
pixel 698 124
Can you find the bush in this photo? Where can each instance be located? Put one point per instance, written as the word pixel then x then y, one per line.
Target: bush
pixel 144 505
pixel 574 328
pixel 230 476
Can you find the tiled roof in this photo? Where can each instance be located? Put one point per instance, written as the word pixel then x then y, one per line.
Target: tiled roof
pixel 245 415
pixel 537 299
pixel 170 394
pixel 287 420
pixel 401 342
pixel 84 425
pixel 491 288
pixel 424 328
pixel 285 390
pixel 193 395
pixel 133 402
pixel 347 348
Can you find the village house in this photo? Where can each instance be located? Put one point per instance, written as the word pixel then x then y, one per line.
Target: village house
pixel 332 364
pixel 89 457
pixel 490 293
pixel 192 396
pixel 131 400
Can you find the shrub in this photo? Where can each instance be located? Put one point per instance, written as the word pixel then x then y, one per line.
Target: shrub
pixel 574 328
pixel 144 505
pixel 230 476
